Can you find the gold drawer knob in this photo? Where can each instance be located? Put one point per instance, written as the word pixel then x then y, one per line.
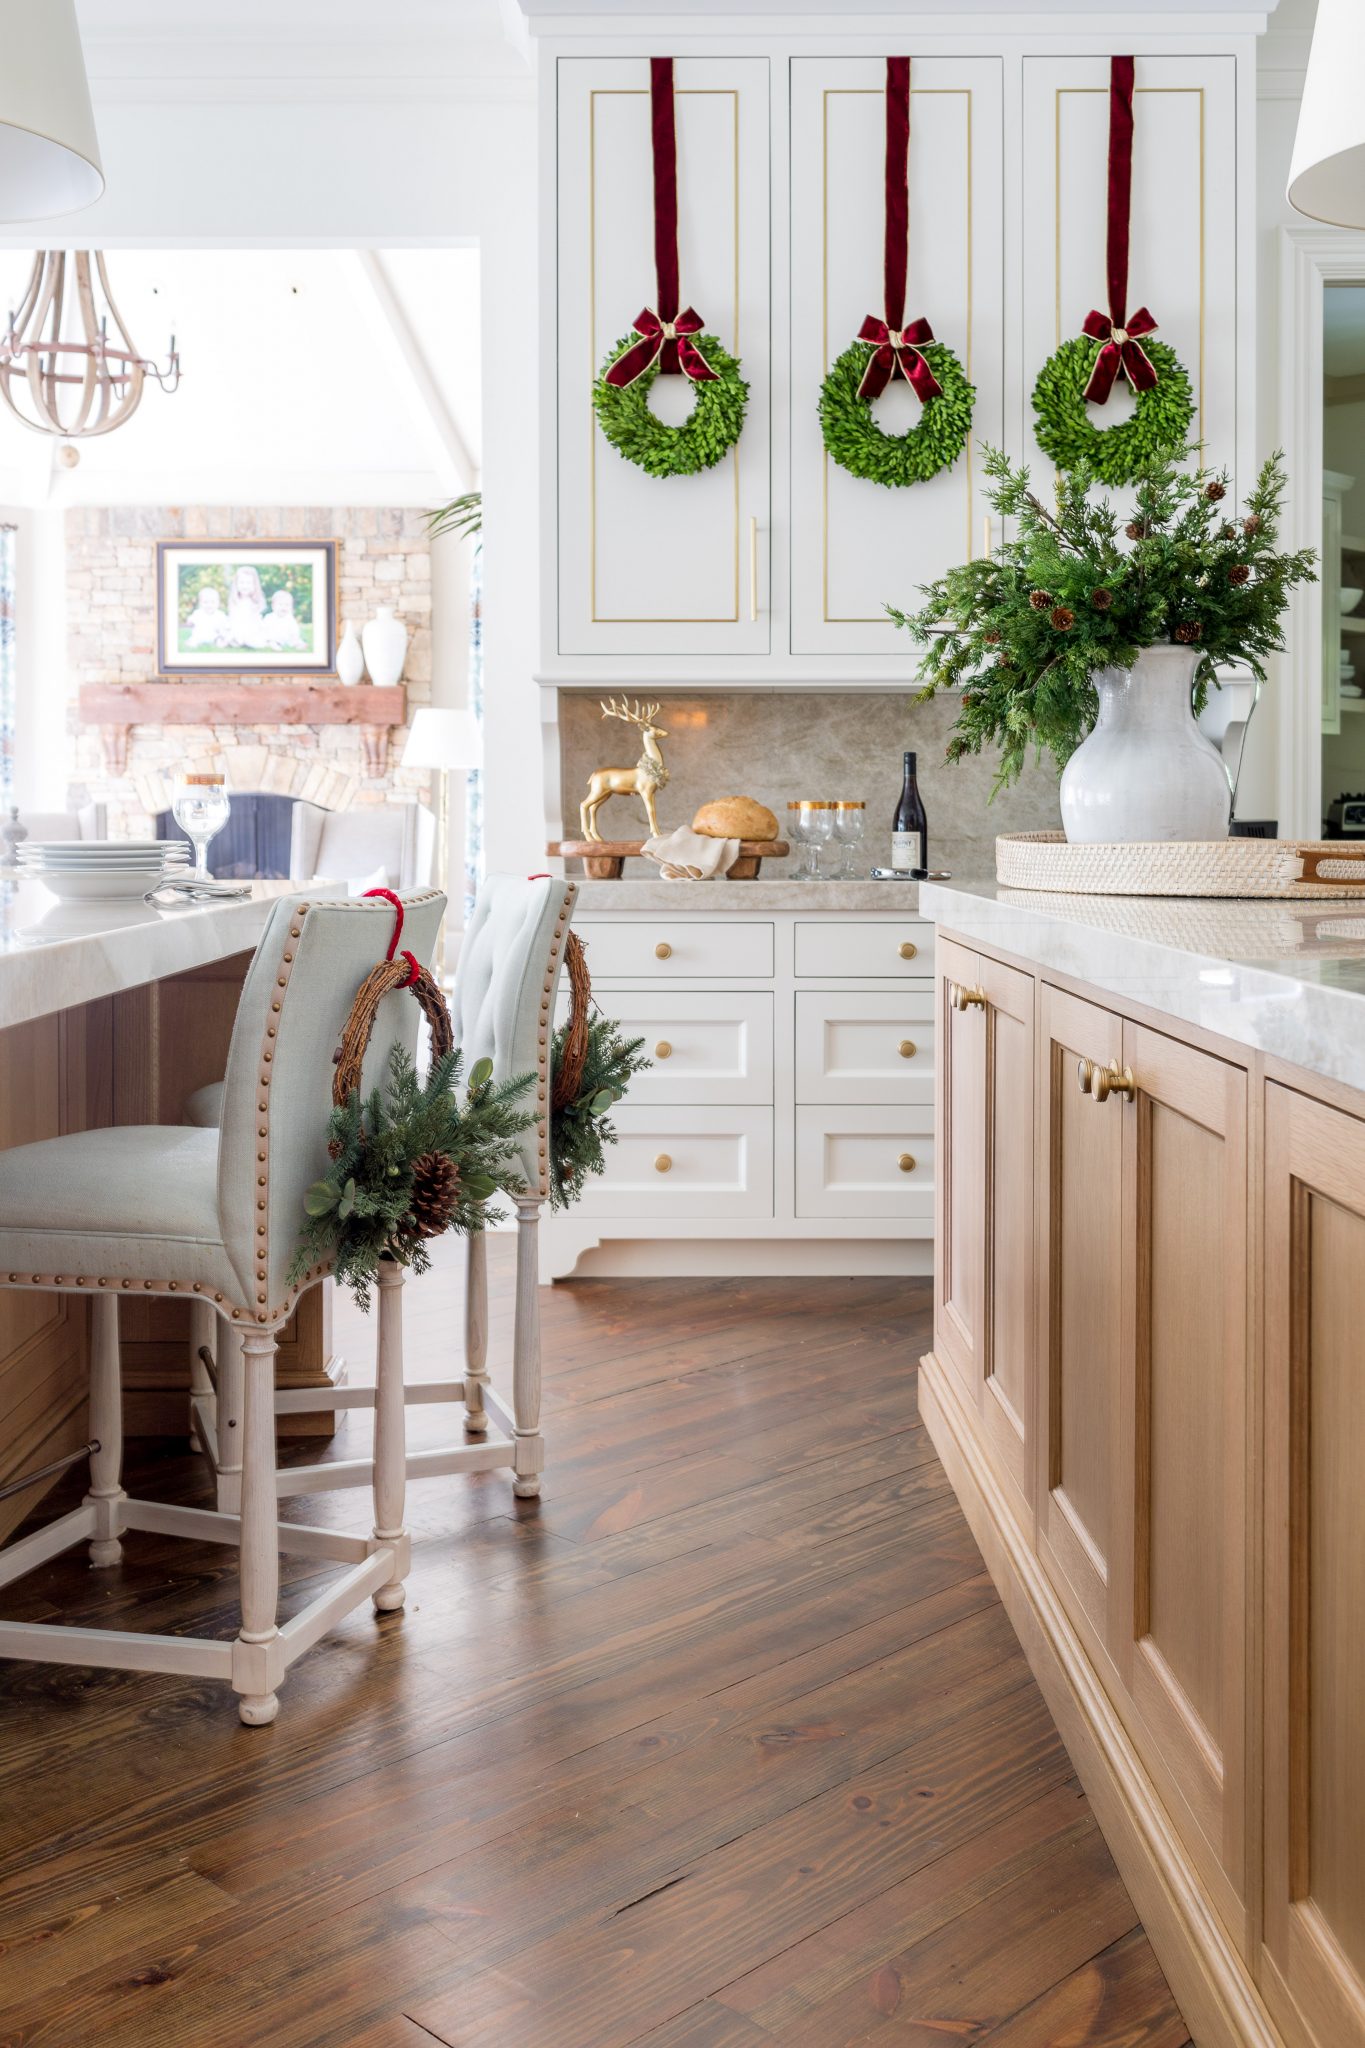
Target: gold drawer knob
pixel 1085 1075
pixel 966 998
pixel 906 1162
pixel 907 949
pixel 1113 1080
pixel 663 1050
pixel 663 1164
pixel 663 951
pixel 907 1048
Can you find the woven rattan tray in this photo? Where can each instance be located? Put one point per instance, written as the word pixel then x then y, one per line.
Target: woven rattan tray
pixel 1184 867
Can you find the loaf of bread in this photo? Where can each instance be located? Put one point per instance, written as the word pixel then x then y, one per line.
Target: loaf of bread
pixel 735 817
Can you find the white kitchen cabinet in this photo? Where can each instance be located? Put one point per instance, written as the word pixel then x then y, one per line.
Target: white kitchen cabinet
pixel 711 1047
pixel 661 565
pixel 864 1046
pixel 856 545
pixel 863 1159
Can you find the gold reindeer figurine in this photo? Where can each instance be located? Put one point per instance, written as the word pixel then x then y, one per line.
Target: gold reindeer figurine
pixel 648 774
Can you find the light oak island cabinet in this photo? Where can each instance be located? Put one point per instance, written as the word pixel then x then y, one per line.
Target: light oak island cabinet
pixel 1146 1386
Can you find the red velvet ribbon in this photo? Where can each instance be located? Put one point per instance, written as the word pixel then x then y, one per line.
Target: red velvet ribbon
pixel 1122 350
pixel 895 347
pixel 665 334
pixel 414 970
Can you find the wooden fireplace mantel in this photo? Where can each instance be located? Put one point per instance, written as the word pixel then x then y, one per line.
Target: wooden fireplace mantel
pixel 117 707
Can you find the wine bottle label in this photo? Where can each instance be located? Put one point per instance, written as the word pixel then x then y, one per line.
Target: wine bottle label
pixel 904 850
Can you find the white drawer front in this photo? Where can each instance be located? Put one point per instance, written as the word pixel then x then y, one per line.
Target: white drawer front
pixel 864 1046
pixel 668 949
pixel 711 1047
pixel 848 1160
pixel 719 1162
pixel 903 947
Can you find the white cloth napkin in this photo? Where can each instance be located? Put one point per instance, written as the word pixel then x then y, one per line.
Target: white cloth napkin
pixel 688 856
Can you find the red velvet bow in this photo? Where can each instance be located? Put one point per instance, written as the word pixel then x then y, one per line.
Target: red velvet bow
pixel 672 337
pixel 1122 351
pixel 895 352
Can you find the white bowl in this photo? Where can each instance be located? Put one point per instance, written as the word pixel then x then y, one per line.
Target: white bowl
pixel 108 885
pixel 1348 597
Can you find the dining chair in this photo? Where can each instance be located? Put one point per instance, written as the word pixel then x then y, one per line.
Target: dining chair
pixel 355 845
pixel 502 1009
pixel 213 1216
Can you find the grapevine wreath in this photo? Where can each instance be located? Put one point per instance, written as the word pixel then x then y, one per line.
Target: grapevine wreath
pixel 1083 372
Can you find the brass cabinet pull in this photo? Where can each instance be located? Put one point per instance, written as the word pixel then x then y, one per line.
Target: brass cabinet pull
pixel 1113 1080
pixel 663 1164
pixel 906 1162
pixel 966 998
pixel 907 949
pixel 663 951
pixel 907 1048
pixel 1085 1074
pixel 663 1050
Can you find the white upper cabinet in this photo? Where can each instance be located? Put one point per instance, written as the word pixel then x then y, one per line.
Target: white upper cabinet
pixel 1184 235
pixel 856 545
pixel 662 565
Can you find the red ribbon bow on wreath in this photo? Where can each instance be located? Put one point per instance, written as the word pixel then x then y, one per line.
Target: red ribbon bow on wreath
pixel 669 337
pixel 896 353
pixel 1122 349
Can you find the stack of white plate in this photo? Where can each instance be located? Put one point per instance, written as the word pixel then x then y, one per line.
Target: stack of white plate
pixel 103 869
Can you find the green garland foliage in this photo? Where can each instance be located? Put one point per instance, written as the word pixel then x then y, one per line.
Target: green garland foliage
pixel 710 430
pixel 1022 632
pixel 362 1210
pixel 1067 426
pixel 582 1129
pixel 857 443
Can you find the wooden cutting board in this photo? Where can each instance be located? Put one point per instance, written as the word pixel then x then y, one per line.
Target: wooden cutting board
pixel 603 859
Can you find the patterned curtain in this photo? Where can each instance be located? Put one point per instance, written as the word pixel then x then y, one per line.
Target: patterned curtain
pixel 6 669
pixel 473 815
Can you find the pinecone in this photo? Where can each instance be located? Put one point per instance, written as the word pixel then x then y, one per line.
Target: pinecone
pixel 991 637
pixel 1214 492
pixel 1137 529
pixel 1101 599
pixel 1228 530
pixel 1239 573
pixel 1062 619
pixel 1188 631
pixel 1039 599
pixel 1252 523
pixel 435 1185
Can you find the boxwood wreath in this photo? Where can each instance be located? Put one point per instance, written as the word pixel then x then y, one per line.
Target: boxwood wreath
pixel 856 442
pixel 1065 430
pixel 704 437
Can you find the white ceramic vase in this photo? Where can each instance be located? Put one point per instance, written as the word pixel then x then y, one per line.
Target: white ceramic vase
pixel 1146 771
pixel 350 658
pixel 385 640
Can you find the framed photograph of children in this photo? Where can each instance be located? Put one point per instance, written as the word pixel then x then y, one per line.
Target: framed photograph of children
pixel 252 607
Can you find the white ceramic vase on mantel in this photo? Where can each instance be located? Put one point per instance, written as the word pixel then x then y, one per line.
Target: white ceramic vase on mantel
pixel 350 657
pixel 1145 771
pixel 385 640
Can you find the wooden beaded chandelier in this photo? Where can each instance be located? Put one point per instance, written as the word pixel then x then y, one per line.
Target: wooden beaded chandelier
pixel 68 365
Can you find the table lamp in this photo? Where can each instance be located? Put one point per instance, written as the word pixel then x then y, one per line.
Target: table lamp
pixel 442 740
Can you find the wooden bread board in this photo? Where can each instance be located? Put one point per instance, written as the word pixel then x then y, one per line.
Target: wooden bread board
pixel 603 859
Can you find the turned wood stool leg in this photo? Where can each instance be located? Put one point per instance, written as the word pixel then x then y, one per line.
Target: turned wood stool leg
pixel 253 1666
pixel 228 1412
pixel 529 1443
pixel 390 1448
pixel 203 1333
pixel 475 1331
pixel 106 1492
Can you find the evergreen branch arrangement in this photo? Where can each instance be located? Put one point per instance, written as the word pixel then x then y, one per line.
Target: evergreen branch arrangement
pixel 704 437
pixel 856 442
pixel 1022 632
pixel 1065 423
pixel 582 1129
pixel 409 1162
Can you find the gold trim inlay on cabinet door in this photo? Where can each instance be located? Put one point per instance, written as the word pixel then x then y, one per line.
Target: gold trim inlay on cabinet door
pixel 877 92
pixel 731 93
pixel 1063 91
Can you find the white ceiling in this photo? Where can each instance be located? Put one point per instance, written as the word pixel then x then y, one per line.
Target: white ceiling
pixel 323 372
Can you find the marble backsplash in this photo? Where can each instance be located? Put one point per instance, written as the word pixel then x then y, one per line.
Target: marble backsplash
pixel 779 744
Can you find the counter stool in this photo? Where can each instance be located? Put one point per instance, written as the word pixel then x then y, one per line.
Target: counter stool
pixel 214 1215
pixel 503 1010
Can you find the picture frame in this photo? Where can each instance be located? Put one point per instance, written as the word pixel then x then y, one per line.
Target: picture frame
pixel 246 607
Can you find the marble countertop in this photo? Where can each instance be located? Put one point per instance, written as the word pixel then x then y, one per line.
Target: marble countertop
pixel 54 955
pixel 1282 976
pixel 756 897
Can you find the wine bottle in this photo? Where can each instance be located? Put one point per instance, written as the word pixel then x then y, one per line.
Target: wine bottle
pixel 910 827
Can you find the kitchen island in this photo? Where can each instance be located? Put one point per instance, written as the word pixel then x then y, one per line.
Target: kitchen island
pixel 1145 1385
pixel 115 1014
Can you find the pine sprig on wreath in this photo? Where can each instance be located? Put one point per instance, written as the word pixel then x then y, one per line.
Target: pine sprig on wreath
pixel 580 1132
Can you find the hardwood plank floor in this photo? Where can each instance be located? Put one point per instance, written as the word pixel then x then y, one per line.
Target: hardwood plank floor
pixel 726 1742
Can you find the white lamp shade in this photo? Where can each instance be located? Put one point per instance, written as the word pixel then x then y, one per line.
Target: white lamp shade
pixel 49 155
pixel 443 739
pixel 1327 172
